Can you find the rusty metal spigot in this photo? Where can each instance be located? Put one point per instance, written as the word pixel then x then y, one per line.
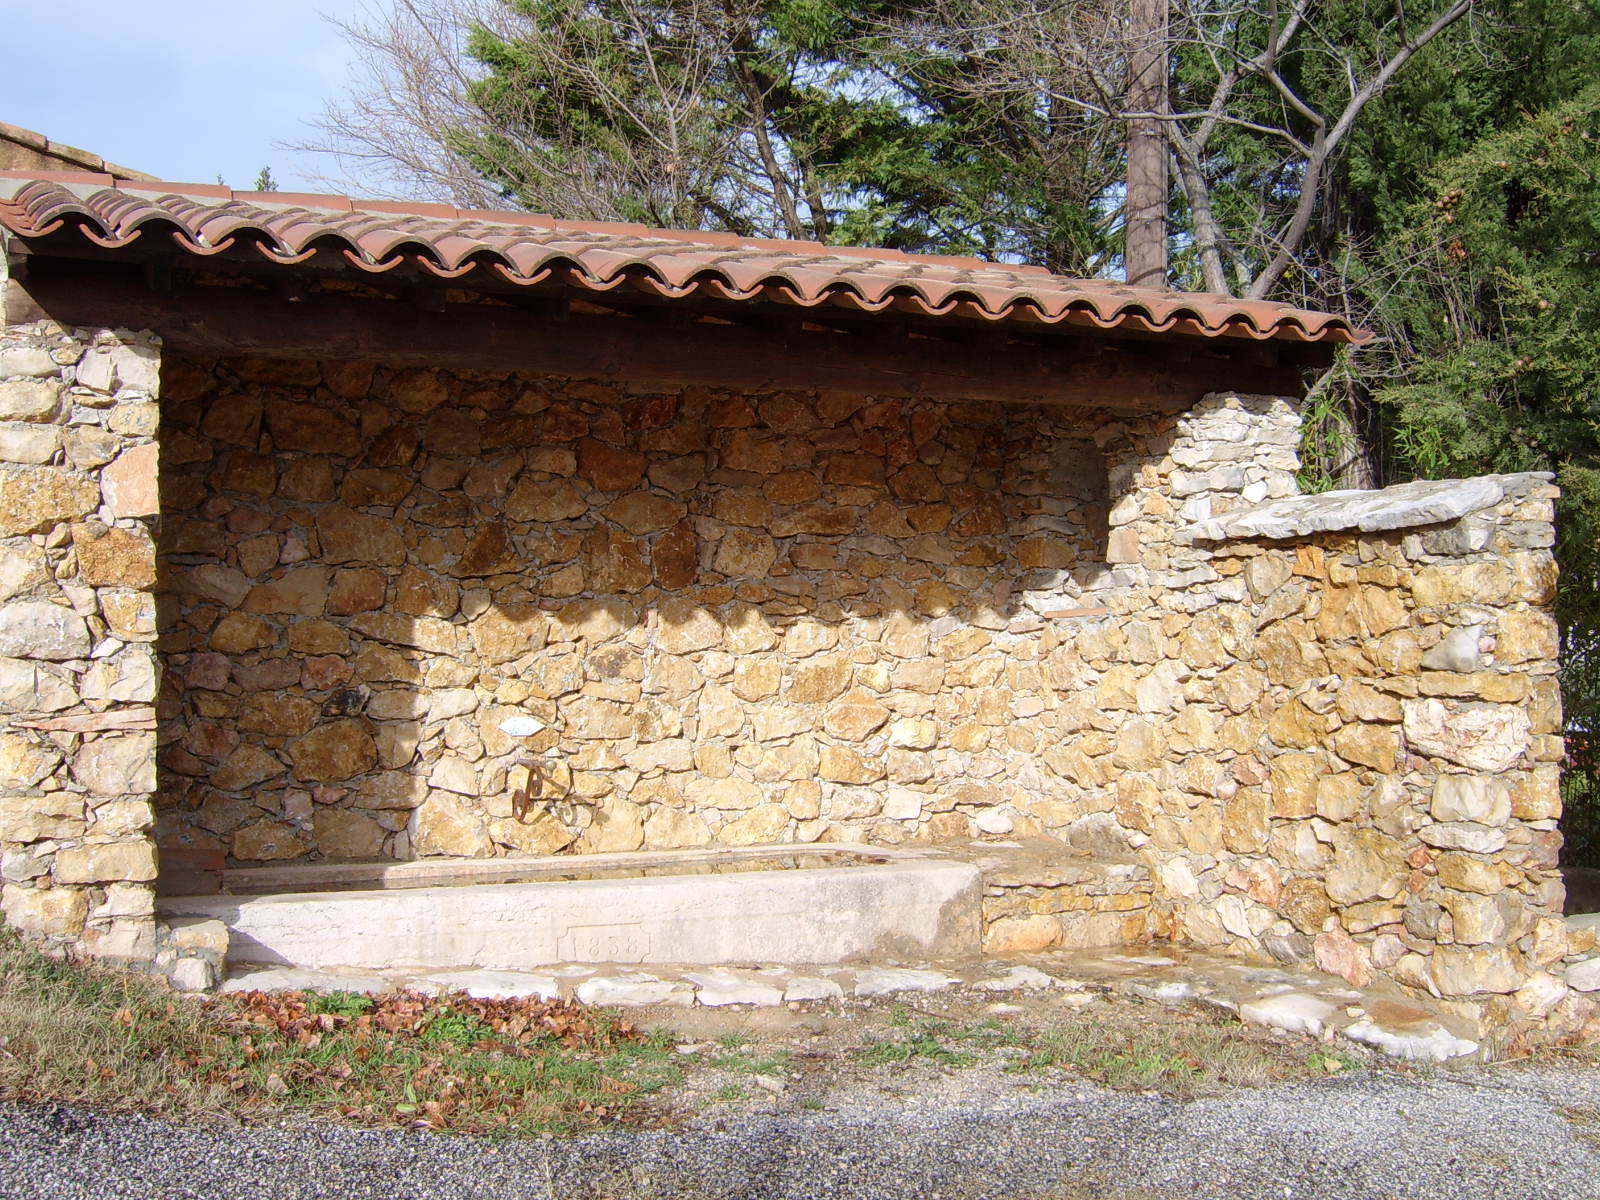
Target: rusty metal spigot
pixel 532 789
pixel 531 799
pixel 528 799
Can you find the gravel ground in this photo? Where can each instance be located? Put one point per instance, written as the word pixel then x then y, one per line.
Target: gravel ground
pixel 1495 1133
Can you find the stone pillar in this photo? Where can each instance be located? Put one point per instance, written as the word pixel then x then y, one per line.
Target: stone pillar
pixel 1176 690
pixel 78 673
pixel 1334 720
pixel 1167 471
pixel 1405 737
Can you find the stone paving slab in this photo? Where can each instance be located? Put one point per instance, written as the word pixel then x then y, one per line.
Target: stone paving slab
pixel 496 985
pixel 887 981
pixel 1293 1001
pixel 294 979
pixel 635 990
pixel 804 988
pixel 1295 1012
pixel 1017 979
pixel 717 988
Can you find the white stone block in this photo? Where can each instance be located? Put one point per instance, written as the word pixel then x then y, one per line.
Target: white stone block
pixel 1294 1012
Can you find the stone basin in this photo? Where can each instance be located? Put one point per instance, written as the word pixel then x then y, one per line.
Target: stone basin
pixel 839 902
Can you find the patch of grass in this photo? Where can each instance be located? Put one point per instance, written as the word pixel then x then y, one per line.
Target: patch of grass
pixel 459 1029
pixel 87 1035
pixel 1180 1055
pixel 731 1093
pixel 988 1034
pixel 338 1004
pixel 770 1062
pixel 1332 1062
pixel 1119 1043
pixel 949 1043
pixel 746 1058
pixel 1565 1052
pixel 1584 1120
pixel 881 1053
pixel 916 1043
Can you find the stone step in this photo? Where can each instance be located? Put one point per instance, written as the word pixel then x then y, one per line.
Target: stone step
pixel 1040 894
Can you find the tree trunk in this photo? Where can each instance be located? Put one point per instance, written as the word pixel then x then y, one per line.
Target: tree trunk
pixel 1146 254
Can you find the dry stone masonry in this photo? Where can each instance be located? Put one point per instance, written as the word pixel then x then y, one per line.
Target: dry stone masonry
pixel 1353 757
pixel 78 665
pixel 1320 729
pixel 743 620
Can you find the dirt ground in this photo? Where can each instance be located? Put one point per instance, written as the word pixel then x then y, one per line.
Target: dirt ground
pixel 807 1057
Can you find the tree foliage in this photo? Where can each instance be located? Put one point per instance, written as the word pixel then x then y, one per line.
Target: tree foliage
pixel 1471 201
pixel 852 121
pixel 683 114
pixel 1501 308
pixel 1499 336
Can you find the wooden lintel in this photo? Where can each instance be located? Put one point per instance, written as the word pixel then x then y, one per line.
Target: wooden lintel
pixel 216 321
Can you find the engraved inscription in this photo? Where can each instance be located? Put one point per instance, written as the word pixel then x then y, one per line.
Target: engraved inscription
pixel 605 943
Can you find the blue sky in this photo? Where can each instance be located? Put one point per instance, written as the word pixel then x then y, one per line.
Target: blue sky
pixel 183 89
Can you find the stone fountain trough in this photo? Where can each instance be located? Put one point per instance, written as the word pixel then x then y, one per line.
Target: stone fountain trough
pixel 760 904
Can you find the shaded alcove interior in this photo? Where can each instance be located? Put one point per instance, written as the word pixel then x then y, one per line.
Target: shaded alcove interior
pixel 742 617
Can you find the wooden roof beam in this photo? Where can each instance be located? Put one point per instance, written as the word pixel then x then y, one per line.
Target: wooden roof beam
pixel 215 321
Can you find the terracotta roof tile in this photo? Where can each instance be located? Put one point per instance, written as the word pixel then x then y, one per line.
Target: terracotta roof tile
pixel 527 248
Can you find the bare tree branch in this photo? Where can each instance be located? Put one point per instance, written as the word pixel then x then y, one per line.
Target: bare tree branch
pixel 1325 144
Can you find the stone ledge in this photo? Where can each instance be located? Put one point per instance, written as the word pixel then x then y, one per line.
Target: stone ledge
pixel 1403 506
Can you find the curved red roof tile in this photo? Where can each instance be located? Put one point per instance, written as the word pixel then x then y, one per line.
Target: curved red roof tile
pixel 528 248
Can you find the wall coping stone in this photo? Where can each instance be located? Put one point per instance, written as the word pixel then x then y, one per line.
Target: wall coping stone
pixel 1403 506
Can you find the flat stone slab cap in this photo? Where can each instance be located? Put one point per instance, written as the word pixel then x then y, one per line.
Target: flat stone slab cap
pixel 1403 506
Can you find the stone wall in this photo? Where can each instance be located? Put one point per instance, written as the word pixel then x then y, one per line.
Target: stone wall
pixel 793 617
pixel 1323 729
pixel 78 670
pixel 1340 718
pixel 743 619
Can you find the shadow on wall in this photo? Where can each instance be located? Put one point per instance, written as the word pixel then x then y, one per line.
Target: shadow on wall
pixel 742 619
